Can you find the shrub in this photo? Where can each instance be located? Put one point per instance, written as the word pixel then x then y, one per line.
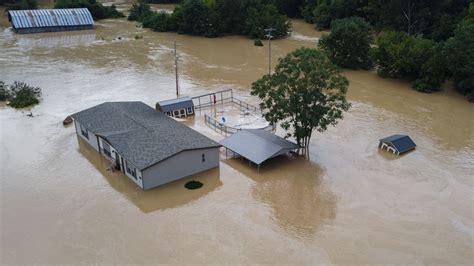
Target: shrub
pixel 348 44
pixel 193 185
pixel 22 95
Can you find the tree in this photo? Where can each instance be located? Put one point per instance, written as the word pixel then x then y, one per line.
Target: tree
pixel 98 11
pixel 19 4
pixel 306 93
pixel 459 52
pixel 261 17
pixel 19 94
pixel 400 55
pixel 348 44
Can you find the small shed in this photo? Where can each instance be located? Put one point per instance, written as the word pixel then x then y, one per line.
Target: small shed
pixel 257 145
pixel 180 107
pixel 397 144
pixel 45 20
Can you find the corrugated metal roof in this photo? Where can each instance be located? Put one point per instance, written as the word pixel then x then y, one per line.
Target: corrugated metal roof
pixel 40 18
pixel 175 104
pixel 258 145
pixel 402 143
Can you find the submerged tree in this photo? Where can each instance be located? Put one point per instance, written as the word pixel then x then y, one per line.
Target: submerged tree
pixel 459 52
pixel 306 93
pixel 348 44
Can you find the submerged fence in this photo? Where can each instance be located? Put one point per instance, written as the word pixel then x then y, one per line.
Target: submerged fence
pixel 222 97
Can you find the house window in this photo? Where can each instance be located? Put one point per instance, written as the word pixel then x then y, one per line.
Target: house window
pixel 84 132
pixel 203 157
pixel 182 112
pixel 106 149
pixel 190 110
pixel 131 170
pixel 168 113
pixel 176 113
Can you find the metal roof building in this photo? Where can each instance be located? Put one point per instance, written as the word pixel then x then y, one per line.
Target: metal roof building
pixel 180 107
pixel 398 144
pixel 44 20
pixel 258 145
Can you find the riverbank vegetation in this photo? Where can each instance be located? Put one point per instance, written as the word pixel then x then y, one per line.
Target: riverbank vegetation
pixel 215 18
pixel 19 94
pixel 305 93
pixel 19 4
pixel 426 57
pixel 98 10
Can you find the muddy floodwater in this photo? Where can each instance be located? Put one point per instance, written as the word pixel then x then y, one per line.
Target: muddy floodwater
pixel 349 203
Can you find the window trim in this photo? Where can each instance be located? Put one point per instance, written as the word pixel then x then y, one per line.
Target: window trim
pixel 84 131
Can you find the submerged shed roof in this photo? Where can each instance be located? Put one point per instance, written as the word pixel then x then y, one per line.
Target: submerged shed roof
pixel 42 18
pixel 258 145
pixel 402 143
pixel 141 134
pixel 175 104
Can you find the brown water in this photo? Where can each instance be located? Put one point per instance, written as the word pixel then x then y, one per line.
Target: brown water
pixel 349 203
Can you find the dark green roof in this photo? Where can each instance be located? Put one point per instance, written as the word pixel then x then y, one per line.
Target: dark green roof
pixel 141 134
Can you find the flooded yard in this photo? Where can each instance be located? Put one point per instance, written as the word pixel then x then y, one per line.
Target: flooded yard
pixel 349 203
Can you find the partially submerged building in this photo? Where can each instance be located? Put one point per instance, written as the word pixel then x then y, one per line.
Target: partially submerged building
pixel 45 20
pixel 180 107
pixel 397 144
pixel 149 147
pixel 257 145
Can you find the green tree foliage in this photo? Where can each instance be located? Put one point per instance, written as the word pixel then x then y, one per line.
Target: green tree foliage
pixel 434 19
pixel 4 92
pixel 306 93
pixel 215 18
pixel 260 17
pixel 19 4
pixel 97 10
pixel 459 51
pixel 399 54
pixel 348 44
pixel 19 94
pixel 140 11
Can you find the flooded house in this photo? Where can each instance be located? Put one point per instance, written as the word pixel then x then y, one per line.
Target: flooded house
pixel 397 144
pixel 149 147
pixel 47 20
pixel 178 108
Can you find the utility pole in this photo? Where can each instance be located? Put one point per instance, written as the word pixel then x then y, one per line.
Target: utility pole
pixel 176 69
pixel 269 36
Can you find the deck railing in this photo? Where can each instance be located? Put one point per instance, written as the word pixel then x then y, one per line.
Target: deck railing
pixel 228 130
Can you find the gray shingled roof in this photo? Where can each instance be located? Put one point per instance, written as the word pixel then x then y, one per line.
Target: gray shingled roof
pixel 258 145
pixel 141 134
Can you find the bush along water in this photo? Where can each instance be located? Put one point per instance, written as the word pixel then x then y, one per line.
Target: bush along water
pixel 215 18
pixel 19 94
pixel 97 10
